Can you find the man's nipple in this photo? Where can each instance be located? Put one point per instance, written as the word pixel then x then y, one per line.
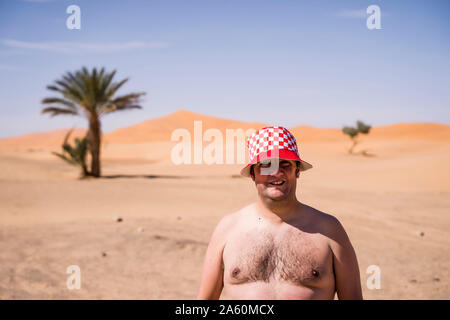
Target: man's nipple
pixel 235 272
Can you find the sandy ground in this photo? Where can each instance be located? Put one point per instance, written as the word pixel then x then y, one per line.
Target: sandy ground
pixel 50 220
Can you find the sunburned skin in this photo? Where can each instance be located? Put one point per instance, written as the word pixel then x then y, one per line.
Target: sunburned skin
pixel 259 255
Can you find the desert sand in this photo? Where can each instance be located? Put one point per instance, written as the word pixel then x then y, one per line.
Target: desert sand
pixel 394 206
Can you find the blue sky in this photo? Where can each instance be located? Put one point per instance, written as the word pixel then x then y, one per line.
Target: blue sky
pixel 286 62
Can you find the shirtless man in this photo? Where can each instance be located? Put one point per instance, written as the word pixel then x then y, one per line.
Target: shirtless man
pixel 278 247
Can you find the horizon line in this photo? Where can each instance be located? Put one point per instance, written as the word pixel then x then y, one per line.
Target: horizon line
pixel 212 116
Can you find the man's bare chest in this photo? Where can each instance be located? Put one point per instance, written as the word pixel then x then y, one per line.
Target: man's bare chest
pixel 266 255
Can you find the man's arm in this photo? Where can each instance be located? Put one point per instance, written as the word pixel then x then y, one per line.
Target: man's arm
pixel 345 263
pixel 211 284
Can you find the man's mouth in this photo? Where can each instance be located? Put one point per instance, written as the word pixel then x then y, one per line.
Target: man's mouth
pixel 277 183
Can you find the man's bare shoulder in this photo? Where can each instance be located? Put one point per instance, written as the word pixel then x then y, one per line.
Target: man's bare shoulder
pixel 325 223
pixel 225 227
pixel 231 219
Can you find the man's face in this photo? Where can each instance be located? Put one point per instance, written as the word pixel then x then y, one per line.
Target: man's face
pixel 277 186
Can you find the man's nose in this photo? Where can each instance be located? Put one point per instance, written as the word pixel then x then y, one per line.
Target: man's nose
pixel 278 173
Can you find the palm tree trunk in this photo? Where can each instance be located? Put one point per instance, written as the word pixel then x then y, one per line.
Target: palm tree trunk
pixel 95 141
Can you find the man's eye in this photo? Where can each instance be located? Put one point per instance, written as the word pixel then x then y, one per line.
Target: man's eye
pixel 265 165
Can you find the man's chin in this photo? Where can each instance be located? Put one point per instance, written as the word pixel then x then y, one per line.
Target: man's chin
pixel 275 195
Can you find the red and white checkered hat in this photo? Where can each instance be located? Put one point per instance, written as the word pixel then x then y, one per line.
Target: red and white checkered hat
pixel 272 142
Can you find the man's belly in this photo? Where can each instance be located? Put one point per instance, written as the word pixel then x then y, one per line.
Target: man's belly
pixel 261 290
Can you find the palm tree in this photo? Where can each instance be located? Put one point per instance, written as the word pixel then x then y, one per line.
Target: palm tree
pixel 91 95
pixel 76 154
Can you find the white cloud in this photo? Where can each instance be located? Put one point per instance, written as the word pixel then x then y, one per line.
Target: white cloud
pixel 354 14
pixel 82 47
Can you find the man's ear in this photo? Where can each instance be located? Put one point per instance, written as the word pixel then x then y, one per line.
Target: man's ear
pixel 252 173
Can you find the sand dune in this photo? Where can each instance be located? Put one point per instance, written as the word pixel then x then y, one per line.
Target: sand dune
pixel 160 129
pixel 307 134
pixel 46 139
pixel 399 131
pixel 412 131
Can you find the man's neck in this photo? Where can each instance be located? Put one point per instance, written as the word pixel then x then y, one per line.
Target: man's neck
pixel 278 211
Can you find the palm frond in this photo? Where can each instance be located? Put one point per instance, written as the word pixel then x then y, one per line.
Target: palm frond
pixel 54 111
pixel 69 92
pixel 75 155
pixel 74 81
pixel 112 89
pixel 112 108
pixel 105 83
pixel 107 80
pixel 62 156
pixel 53 88
pixel 125 102
pixel 56 100
pixel 89 98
